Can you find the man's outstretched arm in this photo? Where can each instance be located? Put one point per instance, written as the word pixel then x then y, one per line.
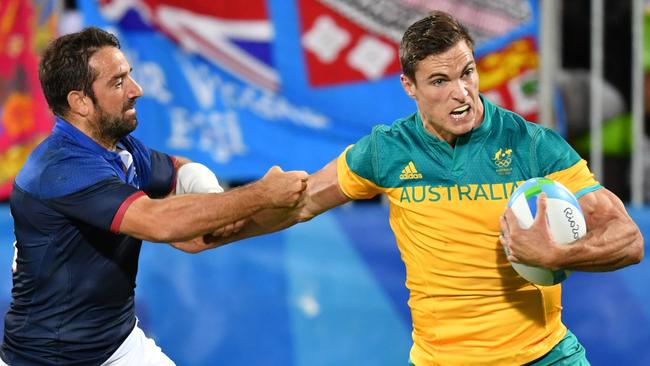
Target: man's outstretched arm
pixel 186 216
pixel 322 193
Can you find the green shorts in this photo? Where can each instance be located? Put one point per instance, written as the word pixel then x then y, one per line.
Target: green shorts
pixel 569 352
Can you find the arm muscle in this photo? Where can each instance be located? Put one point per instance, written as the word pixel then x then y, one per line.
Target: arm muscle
pixel 613 240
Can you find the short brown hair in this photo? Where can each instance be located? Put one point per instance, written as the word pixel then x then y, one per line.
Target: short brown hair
pixel 64 66
pixel 432 35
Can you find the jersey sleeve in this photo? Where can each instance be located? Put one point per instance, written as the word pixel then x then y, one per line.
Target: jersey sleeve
pixel 577 178
pixel 162 180
pixel 155 169
pixel 557 160
pixel 101 205
pixel 356 168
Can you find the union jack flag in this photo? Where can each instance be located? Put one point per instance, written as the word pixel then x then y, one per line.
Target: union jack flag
pixel 235 37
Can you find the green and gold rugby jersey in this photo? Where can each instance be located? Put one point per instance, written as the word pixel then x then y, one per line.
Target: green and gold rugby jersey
pixel 467 303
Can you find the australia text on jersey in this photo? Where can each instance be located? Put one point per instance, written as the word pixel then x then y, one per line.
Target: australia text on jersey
pixel 467 192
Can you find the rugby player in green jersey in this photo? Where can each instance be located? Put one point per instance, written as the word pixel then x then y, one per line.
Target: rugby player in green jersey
pixel 448 171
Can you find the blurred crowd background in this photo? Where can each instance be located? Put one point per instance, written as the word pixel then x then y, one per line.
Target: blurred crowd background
pixel 243 85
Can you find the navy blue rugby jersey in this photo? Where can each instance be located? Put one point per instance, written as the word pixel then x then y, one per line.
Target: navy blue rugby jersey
pixel 73 290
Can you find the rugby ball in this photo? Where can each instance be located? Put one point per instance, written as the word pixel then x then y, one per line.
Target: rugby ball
pixel 565 217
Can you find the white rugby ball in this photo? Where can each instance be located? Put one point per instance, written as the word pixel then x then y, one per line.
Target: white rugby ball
pixel 565 217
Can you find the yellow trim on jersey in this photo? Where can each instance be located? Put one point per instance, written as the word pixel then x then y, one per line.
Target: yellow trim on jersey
pixel 352 185
pixel 576 178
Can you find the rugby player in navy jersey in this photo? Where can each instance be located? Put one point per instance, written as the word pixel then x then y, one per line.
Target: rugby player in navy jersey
pixel 87 197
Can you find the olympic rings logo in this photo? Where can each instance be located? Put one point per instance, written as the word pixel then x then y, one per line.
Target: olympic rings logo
pixel 503 158
pixel 502 163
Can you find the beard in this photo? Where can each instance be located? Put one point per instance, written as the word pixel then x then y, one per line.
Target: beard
pixel 112 128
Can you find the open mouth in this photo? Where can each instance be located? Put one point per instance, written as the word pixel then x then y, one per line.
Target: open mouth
pixel 460 112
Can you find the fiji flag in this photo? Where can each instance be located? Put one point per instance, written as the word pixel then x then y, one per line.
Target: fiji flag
pixel 235 37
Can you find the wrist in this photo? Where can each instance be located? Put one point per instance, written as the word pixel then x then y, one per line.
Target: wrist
pixel 558 257
pixel 260 194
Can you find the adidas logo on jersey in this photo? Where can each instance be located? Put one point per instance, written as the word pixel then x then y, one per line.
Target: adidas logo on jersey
pixel 410 172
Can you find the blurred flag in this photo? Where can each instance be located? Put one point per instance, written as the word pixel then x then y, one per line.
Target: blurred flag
pixel 241 88
pixel 356 40
pixel 27 26
pixel 233 36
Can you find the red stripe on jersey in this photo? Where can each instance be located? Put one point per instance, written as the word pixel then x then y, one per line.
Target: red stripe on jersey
pixel 117 220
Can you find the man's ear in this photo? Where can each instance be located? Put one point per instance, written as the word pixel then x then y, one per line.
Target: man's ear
pixel 408 85
pixel 79 103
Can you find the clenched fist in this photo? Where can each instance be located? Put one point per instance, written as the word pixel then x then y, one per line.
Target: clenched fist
pixel 284 189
